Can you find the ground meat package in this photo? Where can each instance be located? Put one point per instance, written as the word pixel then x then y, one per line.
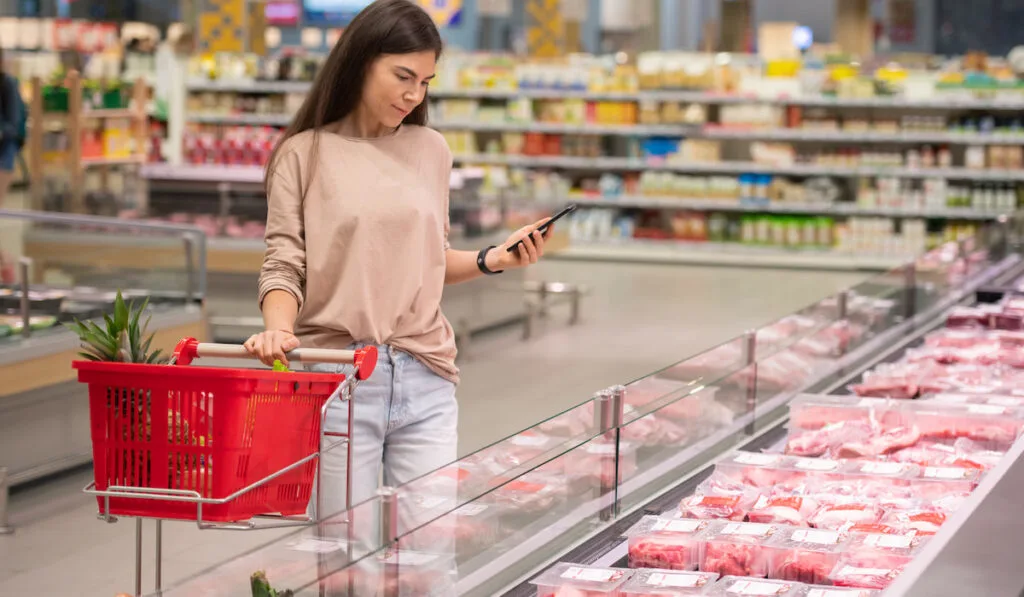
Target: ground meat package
pixel 937 482
pixel 738 549
pixel 755 469
pixel 668 583
pixel 738 586
pixel 667 543
pixel 845 514
pixel 576 580
pixel 919 521
pixel 867 571
pixel 792 510
pixel 805 555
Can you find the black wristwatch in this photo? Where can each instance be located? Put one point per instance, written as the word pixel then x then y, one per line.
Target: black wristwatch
pixel 481 262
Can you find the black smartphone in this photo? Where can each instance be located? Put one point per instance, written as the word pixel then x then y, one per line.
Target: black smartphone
pixel 543 229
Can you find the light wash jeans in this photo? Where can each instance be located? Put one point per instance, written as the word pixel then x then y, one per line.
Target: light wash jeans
pixel 406 419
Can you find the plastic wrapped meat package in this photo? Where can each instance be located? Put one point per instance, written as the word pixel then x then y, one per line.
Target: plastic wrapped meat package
pixel 971 317
pixel 739 586
pixel 830 342
pixel 534 493
pixel 992 427
pixel 881 472
pixel 719 497
pixel 472 528
pixel 755 469
pixel 937 482
pixel 872 561
pixel 667 543
pixel 738 549
pixel 828 440
pixel 920 521
pixel 845 514
pixel 805 555
pixel 576 580
pixel 592 465
pixel 791 510
pixel 828 591
pixel 668 583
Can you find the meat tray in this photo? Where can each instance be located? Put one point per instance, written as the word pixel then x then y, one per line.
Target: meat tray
pixel 805 555
pixel 667 543
pixel 738 586
pixel 576 580
pixel 738 549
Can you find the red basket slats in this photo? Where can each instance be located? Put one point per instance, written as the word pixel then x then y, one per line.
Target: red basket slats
pixel 209 430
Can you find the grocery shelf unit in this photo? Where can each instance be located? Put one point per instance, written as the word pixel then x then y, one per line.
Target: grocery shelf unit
pixel 619 137
pixel 72 123
pixel 44 413
pixel 539 517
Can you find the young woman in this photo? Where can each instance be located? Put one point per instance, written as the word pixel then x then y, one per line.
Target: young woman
pixel 357 248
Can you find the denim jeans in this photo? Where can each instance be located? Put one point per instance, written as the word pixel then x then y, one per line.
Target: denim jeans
pixel 405 426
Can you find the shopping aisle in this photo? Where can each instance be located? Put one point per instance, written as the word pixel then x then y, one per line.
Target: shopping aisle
pixel 637 318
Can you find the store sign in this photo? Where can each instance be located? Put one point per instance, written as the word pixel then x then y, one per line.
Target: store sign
pixel 282 13
pixel 446 13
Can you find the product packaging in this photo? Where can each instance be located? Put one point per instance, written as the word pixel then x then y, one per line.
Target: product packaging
pixel 668 583
pixel 738 548
pixel 827 591
pixel 581 581
pixel 805 555
pixel 738 586
pixel 667 543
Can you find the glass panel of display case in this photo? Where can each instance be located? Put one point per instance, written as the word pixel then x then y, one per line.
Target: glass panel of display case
pixel 297 561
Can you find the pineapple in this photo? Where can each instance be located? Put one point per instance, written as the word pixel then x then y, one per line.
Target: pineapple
pixel 122 339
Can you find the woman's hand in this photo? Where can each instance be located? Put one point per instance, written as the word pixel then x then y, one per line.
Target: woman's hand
pixel 532 249
pixel 270 346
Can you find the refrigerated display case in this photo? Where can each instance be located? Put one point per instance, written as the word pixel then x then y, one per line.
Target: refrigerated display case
pixel 44 416
pixel 570 489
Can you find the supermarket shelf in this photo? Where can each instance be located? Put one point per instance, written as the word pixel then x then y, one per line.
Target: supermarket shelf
pixel 617 163
pixel 204 173
pixel 726 254
pixel 110 113
pixel 248 86
pixel 242 119
pixel 116 161
pixel 952 102
pixel 939 137
pixel 834 209
pixel 629 130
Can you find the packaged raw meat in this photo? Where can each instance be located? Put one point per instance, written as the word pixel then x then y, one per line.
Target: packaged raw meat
pixel 804 555
pixel 866 572
pixel 937 481
pixel 667 543
pixel 968 317
pixel 791 510
pixel 737 548
pixel 716 507
pixel 828 440
pixel 668 583
pixel 922 521
pixel 827 591
pixel 892 440
pixel 738 586
pixel 887 387
pixel 897 473
pixel 811 412
pixel 837 516
pixel 576 580
pixel 593 465
pixel 960 338
pixel 902 547
pixel 523 448
pixel 993 427
pixel 533 493
pixel 755 469
pixel 653 429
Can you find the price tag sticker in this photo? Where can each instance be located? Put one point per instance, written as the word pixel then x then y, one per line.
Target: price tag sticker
pixel 751 529
pixel 818 537
pixel 837 593
pixel 601 449
pixel 751 587
pixel 678 526
pixel 680 581
pixel 882 468
pixel 871 402
pixel 816 464
pixel 1008 401
pixel 945 472
pixel 529 441
pixel 891 541
pixel 986 409
pixel 756 459
pixel 848 571
pixel 316 545
pixel 952 398
pixel 591 574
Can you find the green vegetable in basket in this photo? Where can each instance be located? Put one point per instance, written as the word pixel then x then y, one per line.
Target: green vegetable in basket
pixel 279 366
pixel 261 587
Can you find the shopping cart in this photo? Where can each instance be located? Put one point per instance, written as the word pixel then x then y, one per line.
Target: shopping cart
pixel 227 448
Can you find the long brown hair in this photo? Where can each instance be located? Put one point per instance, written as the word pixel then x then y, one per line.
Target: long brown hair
pixel 384 27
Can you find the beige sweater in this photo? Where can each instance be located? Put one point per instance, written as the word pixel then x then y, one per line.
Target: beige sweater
pixel 364 252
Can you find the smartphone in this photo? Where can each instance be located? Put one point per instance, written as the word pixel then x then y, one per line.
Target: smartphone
pixel 543 229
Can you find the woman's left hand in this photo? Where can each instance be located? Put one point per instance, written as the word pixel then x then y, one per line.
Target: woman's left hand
pixel 532 249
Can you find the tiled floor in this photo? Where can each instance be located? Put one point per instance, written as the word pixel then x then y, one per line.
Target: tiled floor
pixel 637 319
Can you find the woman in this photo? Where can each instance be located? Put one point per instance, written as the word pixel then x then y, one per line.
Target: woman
pixel 357 249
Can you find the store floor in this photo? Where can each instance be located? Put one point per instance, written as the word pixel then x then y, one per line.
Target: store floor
pixel 636 320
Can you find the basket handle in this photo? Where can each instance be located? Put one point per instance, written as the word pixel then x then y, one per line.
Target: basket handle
pixel 364 359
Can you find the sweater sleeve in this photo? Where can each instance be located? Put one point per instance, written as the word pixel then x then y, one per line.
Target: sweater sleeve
pixel 284 263
pixel 446 177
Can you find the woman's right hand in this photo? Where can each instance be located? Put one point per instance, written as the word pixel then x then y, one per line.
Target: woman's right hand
pixel 271 345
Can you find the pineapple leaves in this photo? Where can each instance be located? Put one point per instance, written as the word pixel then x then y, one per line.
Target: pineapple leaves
pixel 120 338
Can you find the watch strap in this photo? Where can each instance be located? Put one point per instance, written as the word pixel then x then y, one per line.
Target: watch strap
pixel 481 262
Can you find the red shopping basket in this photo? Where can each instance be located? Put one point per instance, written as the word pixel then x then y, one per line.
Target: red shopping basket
pixel 209 430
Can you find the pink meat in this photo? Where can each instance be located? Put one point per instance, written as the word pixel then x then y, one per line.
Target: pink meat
pixel 783 510
pixel 804 566
pixel 923 521
pixel 887 443
pixel 735 559
pixel 867 570
pixel 886 387
pixel 835 517
pixel 662 551
pixel 720 507
pixel 826 440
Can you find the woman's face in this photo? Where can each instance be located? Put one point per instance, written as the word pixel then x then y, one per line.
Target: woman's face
pixel 395 84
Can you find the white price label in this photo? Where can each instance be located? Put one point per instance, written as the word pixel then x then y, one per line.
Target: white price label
pixel 1009 401
pixel 748 528
pixel 678 526
pixel 871 402
pixel 837 593
pixel 819 537
pixel 756 459
pixel 848 571
pixel 891 541
pixel 590 574
pixel 751 587
pixel 952 398
pixel 529 441
pixel 472 510
pixel 816 464
pixel 601 449
pixel 986 409
pixel 882 468
pixel 412 558
pixel 943 472
pixel 429 502
pixel 681 581
pixel 316 545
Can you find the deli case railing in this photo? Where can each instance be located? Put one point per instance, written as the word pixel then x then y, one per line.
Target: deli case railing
pixel 490 521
